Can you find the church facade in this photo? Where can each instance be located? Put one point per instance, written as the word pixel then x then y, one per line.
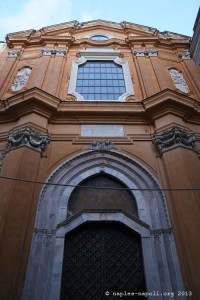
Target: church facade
pixel 100 159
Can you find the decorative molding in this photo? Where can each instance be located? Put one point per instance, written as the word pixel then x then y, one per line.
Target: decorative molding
pixel 53 51
pixel 70 97
pixel 173 138
pixel 21 79
pixel 102 145
pixel 147 52
pixel 184 55
pixel 28 136
pixel 13 53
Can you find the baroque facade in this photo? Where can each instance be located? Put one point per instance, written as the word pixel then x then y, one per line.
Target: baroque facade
pixel 100 149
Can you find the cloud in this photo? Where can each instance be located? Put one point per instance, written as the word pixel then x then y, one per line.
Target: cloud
pixel 88 15
pixel 35 14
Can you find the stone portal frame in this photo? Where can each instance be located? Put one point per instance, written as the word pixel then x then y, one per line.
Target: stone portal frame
pixel 162 272
pixel 104 55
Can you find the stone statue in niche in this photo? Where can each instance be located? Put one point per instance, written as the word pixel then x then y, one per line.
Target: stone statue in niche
pixel 179 80
pixel 21 79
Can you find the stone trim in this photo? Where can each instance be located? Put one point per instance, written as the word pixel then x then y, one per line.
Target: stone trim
pixel 102 145
pixel 13 53
pixel 101 55
pixel 174 137
pixel 145 52
pixel 28 136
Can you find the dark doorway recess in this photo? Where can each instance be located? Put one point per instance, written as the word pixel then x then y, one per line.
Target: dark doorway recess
pixel 102 257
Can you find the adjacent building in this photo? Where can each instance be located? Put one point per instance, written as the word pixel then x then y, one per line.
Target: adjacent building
pixel 195 42
pixel 99 156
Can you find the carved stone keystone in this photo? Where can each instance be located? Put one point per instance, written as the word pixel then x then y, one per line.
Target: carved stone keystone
pixel 102 145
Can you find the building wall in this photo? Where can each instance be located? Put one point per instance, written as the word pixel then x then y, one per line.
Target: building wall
pixel 42 128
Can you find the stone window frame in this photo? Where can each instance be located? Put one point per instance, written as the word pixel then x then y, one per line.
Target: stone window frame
pixel 94 54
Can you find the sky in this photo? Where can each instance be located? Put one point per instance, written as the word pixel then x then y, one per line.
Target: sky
pixel 172 15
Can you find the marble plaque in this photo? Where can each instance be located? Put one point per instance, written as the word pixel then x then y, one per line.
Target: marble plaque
pixel 102 130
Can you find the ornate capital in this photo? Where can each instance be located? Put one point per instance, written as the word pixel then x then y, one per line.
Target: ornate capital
pixel 185 55
pixel 13 53
pixel 139 52
pixel 53 51
pixel 28 136
pixel 102 145
pixel 61 52
pixel 173 138
pixel 147 52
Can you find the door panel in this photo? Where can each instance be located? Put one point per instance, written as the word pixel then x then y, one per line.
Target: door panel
pixel 100 257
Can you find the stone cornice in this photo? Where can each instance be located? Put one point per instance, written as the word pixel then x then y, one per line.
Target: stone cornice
pixel 32 100
pixel 168 101
pixel 56 33
pixel 57 110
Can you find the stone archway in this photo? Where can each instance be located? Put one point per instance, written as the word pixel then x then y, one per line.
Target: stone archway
pixel 162 272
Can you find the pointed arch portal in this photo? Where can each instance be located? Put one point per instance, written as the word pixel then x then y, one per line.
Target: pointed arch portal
pixel 62 216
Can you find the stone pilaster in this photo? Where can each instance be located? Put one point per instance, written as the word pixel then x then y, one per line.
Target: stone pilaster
pixel 18 200
pixel 181 165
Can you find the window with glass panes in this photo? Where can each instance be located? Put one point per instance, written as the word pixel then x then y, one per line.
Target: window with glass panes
pixel 100 80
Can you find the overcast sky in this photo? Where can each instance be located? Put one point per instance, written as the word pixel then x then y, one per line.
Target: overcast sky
pixel 172 15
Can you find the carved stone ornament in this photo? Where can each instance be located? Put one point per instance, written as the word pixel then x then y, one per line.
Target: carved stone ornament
pixel 147 52
pixel 179 80
pixel 28 136
pixel 185 55
pixel 102 145
pixel 13 53
pixel 53 51
pixel 70 97
pixel 174 137
pixel 21 79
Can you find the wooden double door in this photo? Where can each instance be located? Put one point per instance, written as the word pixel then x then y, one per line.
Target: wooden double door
pixel 100 260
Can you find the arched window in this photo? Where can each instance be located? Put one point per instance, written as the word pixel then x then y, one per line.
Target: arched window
pixel 99 38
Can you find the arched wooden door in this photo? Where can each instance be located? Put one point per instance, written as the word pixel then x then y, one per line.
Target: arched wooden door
pixel 100 260
pixel 101 257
